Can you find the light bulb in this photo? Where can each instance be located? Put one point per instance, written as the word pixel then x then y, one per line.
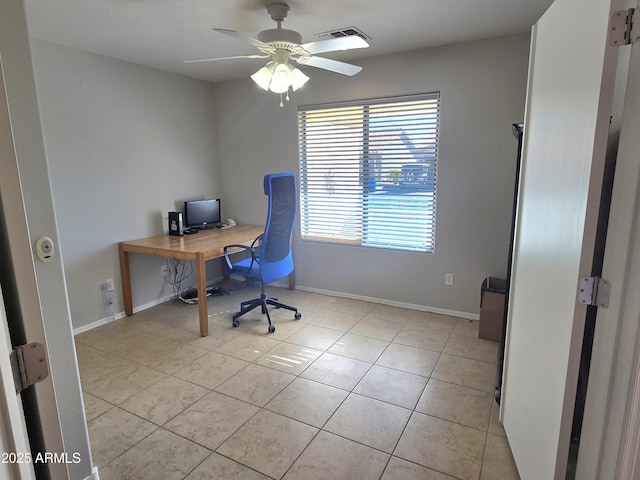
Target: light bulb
pixel 298 78
pixel 263 76
pixel 281 79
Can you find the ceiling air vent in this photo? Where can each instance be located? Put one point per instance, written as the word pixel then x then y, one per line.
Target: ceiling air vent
pixel 343 32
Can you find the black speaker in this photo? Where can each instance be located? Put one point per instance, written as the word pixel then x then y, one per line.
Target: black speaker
pixel 175 223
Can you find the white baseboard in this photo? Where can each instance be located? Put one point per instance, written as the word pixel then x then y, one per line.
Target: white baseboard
pixel 119 315
pixel 392 303
pixel 94 474
pixel 97 323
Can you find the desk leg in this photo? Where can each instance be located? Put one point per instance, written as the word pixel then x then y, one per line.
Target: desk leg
pixel 223 268
pixel 126 281
pixel 201 280
pixel 292 280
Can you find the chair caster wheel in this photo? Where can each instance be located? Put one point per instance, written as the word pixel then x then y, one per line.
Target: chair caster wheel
pixel 298 316
pixel 235 324
pixel 272 328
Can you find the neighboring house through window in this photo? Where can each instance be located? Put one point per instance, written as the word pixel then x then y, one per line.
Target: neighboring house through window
pixel 368 172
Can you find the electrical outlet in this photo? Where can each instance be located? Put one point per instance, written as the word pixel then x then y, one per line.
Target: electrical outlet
pixel 107 299
pixel 448 278
pixel 110 286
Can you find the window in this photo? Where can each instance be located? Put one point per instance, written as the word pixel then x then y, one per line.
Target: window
pixel 368 172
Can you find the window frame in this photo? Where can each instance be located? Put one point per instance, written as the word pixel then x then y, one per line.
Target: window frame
pixel 369 124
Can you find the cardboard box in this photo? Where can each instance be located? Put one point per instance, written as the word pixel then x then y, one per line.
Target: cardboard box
pixel 492 305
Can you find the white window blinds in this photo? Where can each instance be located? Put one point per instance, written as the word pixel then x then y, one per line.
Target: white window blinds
pixel 368 172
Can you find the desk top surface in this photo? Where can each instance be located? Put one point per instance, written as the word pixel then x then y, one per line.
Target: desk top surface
pixel 209 242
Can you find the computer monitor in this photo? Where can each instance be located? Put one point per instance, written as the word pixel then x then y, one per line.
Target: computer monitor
pixel 201 214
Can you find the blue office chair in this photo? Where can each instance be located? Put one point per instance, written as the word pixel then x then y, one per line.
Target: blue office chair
pixel 270 254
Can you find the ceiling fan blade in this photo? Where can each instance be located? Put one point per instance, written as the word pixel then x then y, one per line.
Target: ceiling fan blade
pixel 225 58
pixel 241 36
pixel 339 43
pixel 328 64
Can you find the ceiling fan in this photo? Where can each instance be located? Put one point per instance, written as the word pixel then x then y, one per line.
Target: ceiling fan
pixel 283 46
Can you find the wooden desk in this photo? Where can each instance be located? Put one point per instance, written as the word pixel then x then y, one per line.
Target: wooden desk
pixel 198 248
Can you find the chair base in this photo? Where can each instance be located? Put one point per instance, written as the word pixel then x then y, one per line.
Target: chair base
pixel 263 302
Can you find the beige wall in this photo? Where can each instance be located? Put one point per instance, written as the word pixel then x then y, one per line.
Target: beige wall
pixel 125 144
pixel 482 86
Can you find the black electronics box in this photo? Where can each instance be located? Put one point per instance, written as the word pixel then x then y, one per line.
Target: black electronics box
pixel 175 223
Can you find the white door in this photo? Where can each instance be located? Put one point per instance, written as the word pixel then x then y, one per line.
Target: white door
pixel 569 101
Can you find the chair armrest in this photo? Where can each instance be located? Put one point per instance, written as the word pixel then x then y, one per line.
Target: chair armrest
pixel 257 240
pixel 251 250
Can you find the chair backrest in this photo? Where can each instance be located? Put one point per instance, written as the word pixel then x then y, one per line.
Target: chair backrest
pixel 276 260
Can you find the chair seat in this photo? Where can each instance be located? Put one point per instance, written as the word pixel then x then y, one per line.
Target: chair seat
pixel 246 269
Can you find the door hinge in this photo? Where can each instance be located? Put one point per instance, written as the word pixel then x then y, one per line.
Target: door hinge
pixel 594 291
pixel 29 364
pixel 621 28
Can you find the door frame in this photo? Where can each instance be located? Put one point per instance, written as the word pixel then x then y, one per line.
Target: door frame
pixel 35 291
pixel 544 315
pixel 13 430
pixel 17 280
pixel 611 436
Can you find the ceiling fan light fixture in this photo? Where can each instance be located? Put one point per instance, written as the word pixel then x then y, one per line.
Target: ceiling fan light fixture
pixel 284 45
pixel 279 77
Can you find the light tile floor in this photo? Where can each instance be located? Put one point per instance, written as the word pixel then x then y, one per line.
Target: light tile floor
pixel 353 390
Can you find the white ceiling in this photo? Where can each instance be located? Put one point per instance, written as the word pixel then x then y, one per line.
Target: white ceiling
pixel 163 33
